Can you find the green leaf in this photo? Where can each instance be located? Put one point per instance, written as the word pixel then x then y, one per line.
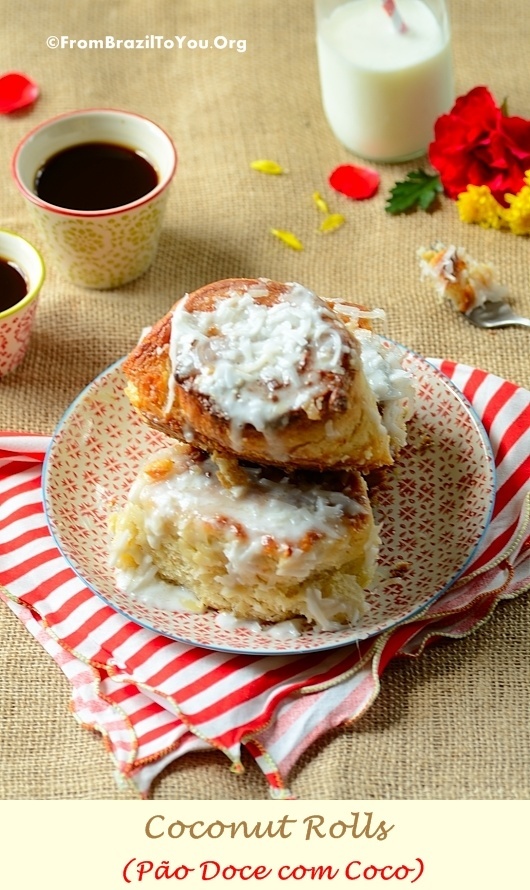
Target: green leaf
pixel 504 107
pixel 418 189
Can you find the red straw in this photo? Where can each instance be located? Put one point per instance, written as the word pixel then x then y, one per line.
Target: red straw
pixel 391 9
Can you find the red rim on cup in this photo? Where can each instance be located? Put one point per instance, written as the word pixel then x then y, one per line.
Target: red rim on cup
pixel 87 125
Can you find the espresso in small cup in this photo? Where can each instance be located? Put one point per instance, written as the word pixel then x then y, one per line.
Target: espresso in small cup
pixel 95 176
pixel 13 284
pixel 97 182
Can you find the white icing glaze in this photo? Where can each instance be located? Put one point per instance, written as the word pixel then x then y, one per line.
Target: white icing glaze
pixel 257 511
pixel 250 515
pixel 282 630
pixel 256 363
pixel 392 385
pixel 145 585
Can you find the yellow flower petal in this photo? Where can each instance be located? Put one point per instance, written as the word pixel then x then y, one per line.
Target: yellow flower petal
pixel 320 203
pixel 288 238
pixel 331 222
pixel 264 166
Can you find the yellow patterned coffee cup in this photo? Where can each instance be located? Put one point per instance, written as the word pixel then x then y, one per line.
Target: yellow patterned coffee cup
pixel 98 248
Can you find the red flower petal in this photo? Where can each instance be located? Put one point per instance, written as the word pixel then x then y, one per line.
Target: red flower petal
pixel 477 105
pixel 16 91
pixel 355 182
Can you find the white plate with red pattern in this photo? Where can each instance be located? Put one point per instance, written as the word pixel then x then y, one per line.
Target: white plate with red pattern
pixel 433 510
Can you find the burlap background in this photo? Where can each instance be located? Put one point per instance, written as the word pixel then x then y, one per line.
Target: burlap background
pixel 454 723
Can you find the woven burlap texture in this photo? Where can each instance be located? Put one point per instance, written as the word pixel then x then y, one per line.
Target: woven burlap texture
pixel 451 724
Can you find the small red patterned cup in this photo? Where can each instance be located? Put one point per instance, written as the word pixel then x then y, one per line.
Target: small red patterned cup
pixel 16 322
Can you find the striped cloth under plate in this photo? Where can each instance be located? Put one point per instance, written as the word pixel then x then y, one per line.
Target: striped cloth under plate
pixel 155 699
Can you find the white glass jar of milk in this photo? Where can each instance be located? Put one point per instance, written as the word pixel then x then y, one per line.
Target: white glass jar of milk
pixel 383 86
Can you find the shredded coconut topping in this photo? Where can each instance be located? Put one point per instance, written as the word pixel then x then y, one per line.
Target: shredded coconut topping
pixel 257 362
pixel 393 387
pixel 356 313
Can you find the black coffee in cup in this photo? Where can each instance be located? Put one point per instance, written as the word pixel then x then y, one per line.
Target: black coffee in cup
pixel 13 285
pixel 95 176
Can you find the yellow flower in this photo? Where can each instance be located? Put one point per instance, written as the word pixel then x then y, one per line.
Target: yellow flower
pixel 518 213
pixel 477 205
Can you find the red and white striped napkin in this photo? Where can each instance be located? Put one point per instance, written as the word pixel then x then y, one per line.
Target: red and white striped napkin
pixel 154 699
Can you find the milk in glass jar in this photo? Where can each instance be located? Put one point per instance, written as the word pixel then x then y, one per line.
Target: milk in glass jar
pixel 385 73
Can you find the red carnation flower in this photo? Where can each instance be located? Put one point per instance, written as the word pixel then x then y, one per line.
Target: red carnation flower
pixel 476 144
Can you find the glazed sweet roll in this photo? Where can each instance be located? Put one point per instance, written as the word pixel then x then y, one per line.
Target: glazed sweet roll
pixel 262 371
pixel 247 540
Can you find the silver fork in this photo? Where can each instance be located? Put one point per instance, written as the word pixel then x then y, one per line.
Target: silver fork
pixel 496 314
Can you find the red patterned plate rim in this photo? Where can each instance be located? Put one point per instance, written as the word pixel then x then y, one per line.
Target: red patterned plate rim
pixel 433 511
